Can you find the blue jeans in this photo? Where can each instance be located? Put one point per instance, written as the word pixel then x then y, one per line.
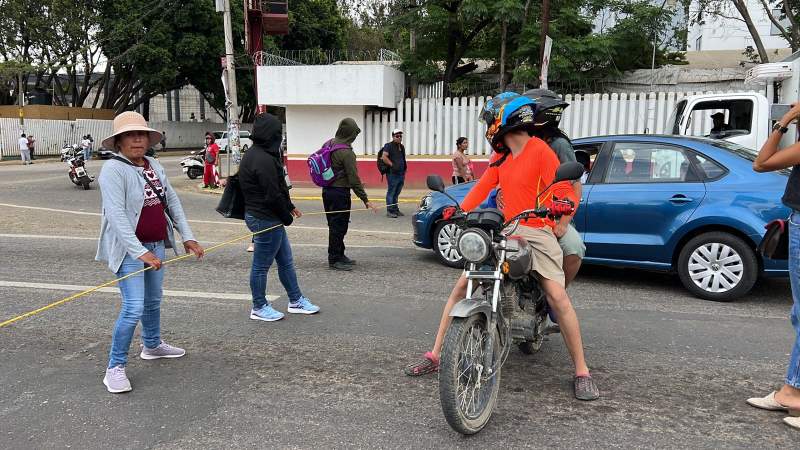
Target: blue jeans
pixel 141 300
pixel 793 373
pixel 396 182
pixel 87 154
pixel 271 246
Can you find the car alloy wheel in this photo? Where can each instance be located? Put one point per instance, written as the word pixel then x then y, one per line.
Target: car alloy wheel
pixel 715 267
pixel 448 242
pixel 445 244
pixel 718 265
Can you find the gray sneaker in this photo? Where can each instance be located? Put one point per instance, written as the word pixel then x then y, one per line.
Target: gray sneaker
pixel 585 389
pixel 163 350
pixel 116 381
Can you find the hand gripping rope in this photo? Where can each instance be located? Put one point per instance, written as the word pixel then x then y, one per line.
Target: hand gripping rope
pixel 169 261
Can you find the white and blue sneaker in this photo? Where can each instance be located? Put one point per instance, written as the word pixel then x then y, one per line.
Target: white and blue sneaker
pixel 267 313
pixel 302 306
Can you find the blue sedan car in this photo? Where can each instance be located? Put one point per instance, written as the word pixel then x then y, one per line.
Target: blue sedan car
pixel 692 206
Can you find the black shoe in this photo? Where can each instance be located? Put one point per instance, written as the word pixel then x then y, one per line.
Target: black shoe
pixel 400 213
pixel 391 215
pixel 338 265
pixel 347 260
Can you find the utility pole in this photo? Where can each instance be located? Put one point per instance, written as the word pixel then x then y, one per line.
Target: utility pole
pixel 21 99
pixel 233 103
pixel 545 29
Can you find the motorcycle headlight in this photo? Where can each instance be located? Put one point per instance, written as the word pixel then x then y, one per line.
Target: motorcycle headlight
pixel 474 245
pixel 425 203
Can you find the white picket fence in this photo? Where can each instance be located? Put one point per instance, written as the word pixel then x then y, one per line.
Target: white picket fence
pixel 51 135
pixel 432 125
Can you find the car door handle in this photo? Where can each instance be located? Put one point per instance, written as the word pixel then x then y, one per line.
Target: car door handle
pixel 680 198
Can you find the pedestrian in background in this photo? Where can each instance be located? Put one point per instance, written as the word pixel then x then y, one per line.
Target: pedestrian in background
pixel 91 145
pixel 269 207
pixel 31 146
pixel 24 153
pixel 462 165
pixel 336 197
pixel 394 156
pixel 210 156
pixel 771 159
pixel 163 141
pixel 85 148
pixel 140 209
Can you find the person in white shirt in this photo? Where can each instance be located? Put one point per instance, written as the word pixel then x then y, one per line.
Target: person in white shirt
pixel 24 152
pixel 86 146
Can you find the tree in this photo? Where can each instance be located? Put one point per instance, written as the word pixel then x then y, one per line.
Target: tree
pixel 53 39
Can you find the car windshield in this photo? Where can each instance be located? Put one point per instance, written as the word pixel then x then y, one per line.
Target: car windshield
pixel 219 135
pixel 741 151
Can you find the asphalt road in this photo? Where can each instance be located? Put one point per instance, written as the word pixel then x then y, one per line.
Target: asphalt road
pixel 673 370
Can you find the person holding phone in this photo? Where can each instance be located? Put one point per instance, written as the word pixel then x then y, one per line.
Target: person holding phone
pixel 771 158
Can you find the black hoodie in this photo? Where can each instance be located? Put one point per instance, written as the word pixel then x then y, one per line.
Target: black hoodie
pixel 261 175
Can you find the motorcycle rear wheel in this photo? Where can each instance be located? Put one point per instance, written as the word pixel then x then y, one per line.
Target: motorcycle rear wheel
pixel 467 398
pixel 193 173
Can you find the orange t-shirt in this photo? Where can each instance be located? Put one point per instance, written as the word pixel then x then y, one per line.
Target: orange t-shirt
pixel 521 179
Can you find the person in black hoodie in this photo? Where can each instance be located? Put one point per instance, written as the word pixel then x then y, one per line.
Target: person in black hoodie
pixel 267 204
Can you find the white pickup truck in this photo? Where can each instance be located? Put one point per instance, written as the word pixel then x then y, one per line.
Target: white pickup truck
pixel 748 116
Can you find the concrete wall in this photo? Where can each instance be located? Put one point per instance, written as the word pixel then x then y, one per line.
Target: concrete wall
pixel 346 84
pixel 51 135
pixel 730 34
pixel 308 127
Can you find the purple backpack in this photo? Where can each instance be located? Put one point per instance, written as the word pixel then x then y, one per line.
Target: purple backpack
pixel 319 164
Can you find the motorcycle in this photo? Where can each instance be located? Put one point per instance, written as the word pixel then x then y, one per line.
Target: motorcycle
pixel 77 171
pixel 193 165
pixel 69 151
pixel 505 305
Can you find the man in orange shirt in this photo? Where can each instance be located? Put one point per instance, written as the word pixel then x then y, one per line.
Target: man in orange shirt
pixel 523 167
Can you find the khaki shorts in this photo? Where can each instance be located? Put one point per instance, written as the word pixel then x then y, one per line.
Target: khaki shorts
pixel 571 243
pixel 546 257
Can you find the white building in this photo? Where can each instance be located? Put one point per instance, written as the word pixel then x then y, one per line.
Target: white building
pixel 318 97
pixel 718 33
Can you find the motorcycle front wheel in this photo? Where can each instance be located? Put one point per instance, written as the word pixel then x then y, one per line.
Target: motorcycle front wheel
pixel 467 396
pixel 86 185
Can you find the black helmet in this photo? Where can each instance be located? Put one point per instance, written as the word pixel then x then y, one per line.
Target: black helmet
pixel 549 107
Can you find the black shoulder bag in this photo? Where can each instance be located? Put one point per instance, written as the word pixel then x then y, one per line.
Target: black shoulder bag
pixel 231 205
pixel 775 244
pixel 161 198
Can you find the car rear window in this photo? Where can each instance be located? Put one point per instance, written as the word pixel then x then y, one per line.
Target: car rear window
pixel 742 152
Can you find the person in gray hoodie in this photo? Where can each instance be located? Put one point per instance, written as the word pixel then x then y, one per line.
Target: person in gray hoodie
pixel 336 197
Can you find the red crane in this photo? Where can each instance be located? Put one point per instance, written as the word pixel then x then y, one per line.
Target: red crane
pixel 263 17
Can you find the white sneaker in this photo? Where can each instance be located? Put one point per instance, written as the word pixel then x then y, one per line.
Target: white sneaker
pixel 163 350
pixel 116 381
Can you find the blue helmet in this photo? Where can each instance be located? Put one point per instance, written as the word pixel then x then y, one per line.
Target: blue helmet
pixel 507 112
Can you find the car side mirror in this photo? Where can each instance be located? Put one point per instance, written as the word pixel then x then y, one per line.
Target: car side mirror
pixel 569 171
pixel 435 183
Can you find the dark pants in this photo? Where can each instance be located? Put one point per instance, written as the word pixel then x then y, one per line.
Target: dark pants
pixel 31 150
pixel 458 180
pixel 396 182
pixel 336 199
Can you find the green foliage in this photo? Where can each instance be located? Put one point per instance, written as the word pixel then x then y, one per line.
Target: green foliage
pixel 451 33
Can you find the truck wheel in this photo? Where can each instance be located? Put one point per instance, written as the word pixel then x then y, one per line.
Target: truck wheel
pixel 717 266
pixel 445 240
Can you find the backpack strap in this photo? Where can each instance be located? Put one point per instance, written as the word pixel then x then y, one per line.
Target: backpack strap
pixel 161 198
